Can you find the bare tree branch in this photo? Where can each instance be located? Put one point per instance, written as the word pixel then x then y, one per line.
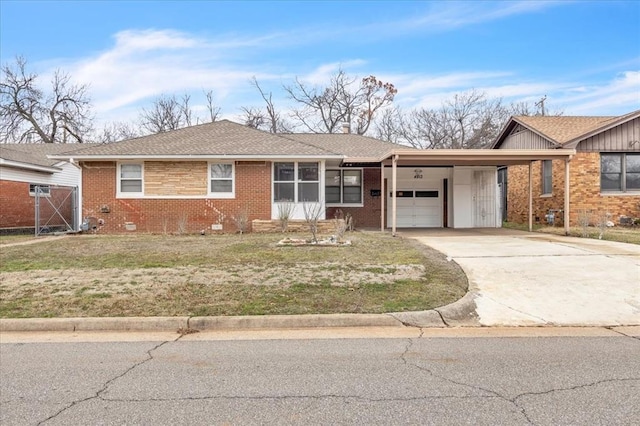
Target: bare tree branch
pixel 28 115
pixel 323 110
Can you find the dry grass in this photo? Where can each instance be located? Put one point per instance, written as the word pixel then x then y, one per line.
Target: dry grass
pixel 618 233
pixel 147 275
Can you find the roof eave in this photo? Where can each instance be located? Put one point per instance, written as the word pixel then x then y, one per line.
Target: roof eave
pixel 481 157
pixel 193 157
pixel 29 166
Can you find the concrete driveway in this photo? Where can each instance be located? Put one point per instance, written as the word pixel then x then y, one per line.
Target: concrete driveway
pixel 527 279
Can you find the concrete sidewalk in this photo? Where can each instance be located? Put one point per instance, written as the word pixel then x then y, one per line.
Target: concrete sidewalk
pixel 529 279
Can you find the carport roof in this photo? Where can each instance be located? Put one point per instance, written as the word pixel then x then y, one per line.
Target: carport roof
pixel 468 157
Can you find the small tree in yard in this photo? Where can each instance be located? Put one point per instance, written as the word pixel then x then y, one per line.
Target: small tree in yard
pixel 241 220
pixel 312 214
pixel 285 210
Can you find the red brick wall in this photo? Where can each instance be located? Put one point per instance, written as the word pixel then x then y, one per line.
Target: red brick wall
pixel 16 205
pixel 253 194
pixel 585 194
pixel 369 215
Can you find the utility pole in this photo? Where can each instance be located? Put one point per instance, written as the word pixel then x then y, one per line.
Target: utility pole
pixel 541 104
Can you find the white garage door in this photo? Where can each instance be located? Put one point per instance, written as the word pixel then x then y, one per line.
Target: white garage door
pixel 417 208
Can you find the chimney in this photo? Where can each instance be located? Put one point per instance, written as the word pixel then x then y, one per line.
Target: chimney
pixel 346 128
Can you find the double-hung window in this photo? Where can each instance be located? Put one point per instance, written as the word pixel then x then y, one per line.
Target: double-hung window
pixel 343 186
pixel 130 179
pixel 547 177
pixel 620 172
pixel 221 180
pixel 308 182
pixel 296 181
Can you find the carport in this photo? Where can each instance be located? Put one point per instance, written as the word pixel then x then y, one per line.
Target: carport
pixel 466 167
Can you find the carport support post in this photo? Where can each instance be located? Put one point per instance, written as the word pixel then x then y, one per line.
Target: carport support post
pixel 530 196
pixel 394 175
pixel 382 196
pixel 566 196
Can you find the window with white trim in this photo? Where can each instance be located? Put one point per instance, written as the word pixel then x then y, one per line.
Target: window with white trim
pixel 130 178
pixel 221 180
pixel 293 181
pixel 547 177
pixel 620 172
pixel 343 186
pixel 308 182
pixel 44 189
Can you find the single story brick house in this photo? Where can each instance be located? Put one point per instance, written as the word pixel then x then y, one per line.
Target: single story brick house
pixel 201 177
pixel 23 167
pixel 602 178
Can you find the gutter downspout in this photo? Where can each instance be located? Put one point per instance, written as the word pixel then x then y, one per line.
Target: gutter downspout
pixel 567 195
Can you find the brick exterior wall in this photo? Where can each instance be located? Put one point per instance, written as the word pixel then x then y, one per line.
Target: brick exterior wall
pixel 369 215
pixel 585 196
pixel 17 206
pixel 165 215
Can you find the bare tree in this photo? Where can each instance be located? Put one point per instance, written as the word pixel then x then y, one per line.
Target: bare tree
pixel 117 131
pixel 324 109
pixel 253 117
pixel 166 113
pixel 468 120
pixel 214 111
pixel 274 122
pixel 30 115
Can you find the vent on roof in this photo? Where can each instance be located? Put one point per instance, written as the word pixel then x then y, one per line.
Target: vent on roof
pixel 346 127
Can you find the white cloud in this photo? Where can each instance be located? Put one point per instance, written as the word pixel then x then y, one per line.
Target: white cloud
pixel 618 96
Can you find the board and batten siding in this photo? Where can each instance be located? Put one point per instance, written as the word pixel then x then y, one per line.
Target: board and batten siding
pixel 622 138
pixel 525 139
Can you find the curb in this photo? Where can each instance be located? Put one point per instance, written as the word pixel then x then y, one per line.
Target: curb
pixel 458 314
pixel 198 323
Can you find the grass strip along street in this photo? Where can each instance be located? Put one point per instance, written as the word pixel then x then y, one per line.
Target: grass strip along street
pixel 162 275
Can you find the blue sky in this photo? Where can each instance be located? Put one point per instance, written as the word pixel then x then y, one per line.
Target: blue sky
pixel 583 55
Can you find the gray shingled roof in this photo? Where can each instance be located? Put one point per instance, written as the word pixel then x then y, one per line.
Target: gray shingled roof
pixel 347 144
pixel 219 138
pixel 35 153
pixel 565 130
pixel 562 129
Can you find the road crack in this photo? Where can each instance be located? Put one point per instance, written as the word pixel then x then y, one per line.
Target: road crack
pixel 98 394
pixel 492 393
pixel 576 387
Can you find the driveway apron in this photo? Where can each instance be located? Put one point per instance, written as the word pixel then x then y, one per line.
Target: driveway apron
pixel 528 279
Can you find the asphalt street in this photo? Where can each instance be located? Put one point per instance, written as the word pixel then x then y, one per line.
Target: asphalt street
pixel 385 376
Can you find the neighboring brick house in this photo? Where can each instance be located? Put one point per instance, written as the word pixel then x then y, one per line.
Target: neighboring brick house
pixel 22 168
pixel 205 177
pixel 604 175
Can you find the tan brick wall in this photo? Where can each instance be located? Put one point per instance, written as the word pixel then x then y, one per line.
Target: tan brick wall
pixel 253 195
pixel 325 227
pixel 176 178
pixel 585 193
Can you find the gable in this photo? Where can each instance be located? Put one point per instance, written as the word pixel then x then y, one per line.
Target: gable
pixel 522 138
pixel 624 137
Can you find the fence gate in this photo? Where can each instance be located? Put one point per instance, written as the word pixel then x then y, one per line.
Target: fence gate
pixel 56 209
